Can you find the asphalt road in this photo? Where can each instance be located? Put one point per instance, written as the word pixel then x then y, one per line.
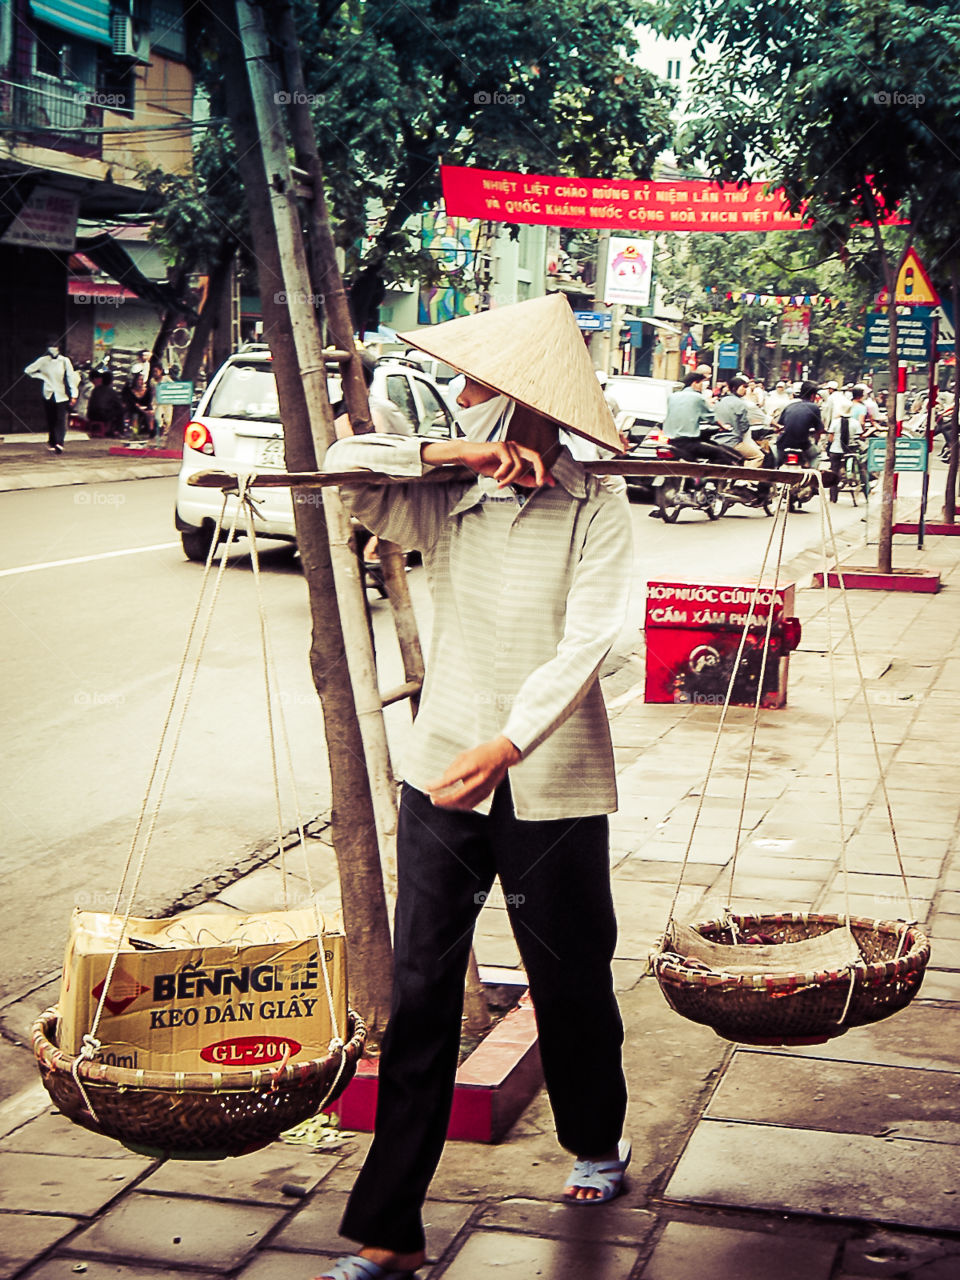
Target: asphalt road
pixel 97 598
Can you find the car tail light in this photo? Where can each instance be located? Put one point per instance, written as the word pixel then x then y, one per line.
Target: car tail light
pixel 197 436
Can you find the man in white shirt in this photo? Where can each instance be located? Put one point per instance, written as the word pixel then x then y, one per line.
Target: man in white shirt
pixel 777 401
pixel 510 771
pixel 60 387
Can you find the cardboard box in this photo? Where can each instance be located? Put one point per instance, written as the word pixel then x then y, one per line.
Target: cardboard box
pixel 203 992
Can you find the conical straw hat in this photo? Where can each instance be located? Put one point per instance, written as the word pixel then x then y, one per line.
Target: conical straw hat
pixel 533 353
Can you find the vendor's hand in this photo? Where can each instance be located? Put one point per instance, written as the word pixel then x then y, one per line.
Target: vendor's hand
pixel 505 460
pixel 474 775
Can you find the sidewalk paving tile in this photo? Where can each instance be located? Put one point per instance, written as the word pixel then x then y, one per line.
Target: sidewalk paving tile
pixel 617 1224
pixel 315 1227
pixel 50 1132
pixel 842 1097
pixel 692 1251
pixel 79 1186
pixel 945 952
pixel 946 926
pixel 922 1035
pixel 517 1257
pixel 887 1180
pixel 896 1253
pixel 26 1236
pixel 270 1264
pixel 176 1232
pixel 941 984
pixel 65 1268
pixel 259 1177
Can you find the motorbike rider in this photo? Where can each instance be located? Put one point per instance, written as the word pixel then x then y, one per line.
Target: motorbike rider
pixel 802 423
pixel 687 413
pixel 734 419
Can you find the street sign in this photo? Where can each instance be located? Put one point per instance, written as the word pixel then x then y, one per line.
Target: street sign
pixel 728 355
pixel 913 339
pixel 593 320
pixel 911 455
pixel 174 393
pixel 914 288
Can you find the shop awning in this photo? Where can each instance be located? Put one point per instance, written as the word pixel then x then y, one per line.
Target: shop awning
pixel 113 260
pixel 87 19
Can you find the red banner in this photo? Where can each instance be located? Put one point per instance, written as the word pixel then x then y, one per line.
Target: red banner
pixel 614 204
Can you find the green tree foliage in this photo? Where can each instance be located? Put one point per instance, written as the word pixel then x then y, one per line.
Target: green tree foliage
pixel 852 106
pixel 548 87
pixel 696 270
pixel 201 210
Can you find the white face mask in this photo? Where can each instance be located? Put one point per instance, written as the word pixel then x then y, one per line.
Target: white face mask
pixel 478 422
pixel 53 351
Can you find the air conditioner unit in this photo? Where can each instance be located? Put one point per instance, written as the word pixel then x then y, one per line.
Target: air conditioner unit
pixel 121 35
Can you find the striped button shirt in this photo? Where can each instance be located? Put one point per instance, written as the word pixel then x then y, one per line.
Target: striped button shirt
pixel 529 593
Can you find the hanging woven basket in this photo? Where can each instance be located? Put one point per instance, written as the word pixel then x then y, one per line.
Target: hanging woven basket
pixel 194 1116
pixel 794 1007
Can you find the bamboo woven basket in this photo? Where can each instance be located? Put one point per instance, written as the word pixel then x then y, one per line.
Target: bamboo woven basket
pixel 194 1116
pixel 760 1008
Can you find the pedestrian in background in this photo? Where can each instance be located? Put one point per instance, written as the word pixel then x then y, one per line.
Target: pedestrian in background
pixel 777 401
pixel 105 411
pixel 138 404
pixel 60 387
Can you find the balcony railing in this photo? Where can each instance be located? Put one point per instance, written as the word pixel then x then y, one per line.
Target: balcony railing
pixel 64 116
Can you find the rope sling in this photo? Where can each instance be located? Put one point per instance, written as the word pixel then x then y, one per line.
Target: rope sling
pixel 202 1115
pixel 791 978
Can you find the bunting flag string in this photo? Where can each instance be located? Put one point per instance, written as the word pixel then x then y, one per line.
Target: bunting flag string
pixel 751 298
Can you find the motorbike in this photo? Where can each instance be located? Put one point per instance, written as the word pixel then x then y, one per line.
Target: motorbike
pixel 794 460
pixel 674 494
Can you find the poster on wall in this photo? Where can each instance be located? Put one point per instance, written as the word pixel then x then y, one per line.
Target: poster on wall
pixel 795 327
pixel 453 244
pixel 629 271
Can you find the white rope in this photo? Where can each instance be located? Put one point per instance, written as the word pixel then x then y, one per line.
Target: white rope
pixel 271 679
pixel 723 717
pixel 165 775
pixel 832 665
pixel 768 632
pixel 881 771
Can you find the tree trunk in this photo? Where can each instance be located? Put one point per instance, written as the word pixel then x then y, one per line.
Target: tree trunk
pixel 354 832
pixel 950 496
pixel 178 282
pixel 219 278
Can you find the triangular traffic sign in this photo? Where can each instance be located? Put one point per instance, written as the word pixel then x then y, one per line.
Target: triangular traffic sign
pixel 914 288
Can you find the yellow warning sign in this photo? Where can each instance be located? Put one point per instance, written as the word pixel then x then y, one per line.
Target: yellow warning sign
pixel 914 288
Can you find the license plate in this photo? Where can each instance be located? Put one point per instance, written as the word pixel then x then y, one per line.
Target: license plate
pixel 271 454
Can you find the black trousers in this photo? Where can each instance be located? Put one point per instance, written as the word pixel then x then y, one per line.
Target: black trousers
pixel 556 879
pixel 56 414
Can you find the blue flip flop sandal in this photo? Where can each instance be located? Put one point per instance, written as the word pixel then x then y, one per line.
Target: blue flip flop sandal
pixel 354 1267
pixel 605 1176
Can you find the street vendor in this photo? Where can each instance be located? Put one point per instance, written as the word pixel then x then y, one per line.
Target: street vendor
pixel 510 773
